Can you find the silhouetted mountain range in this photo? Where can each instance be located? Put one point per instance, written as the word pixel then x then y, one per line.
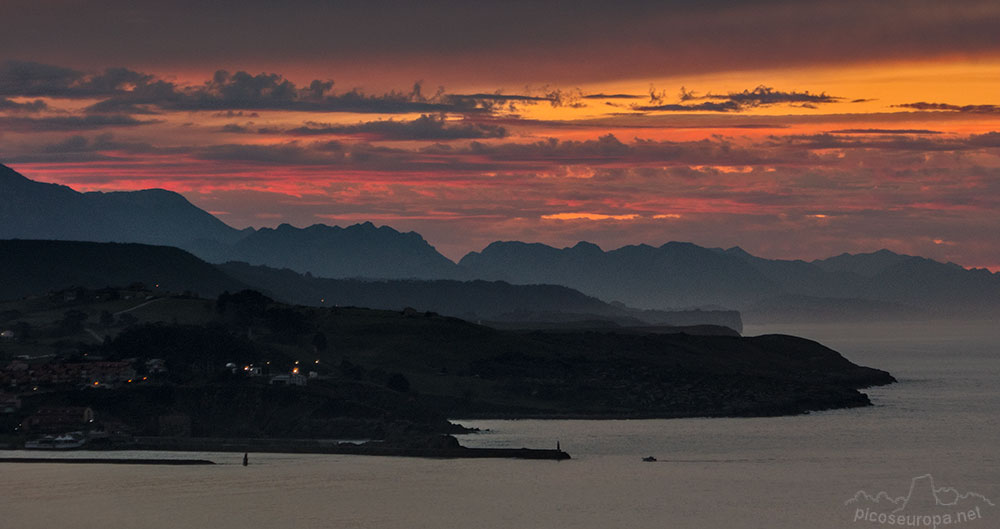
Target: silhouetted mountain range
pixel 672 276
pixel 488 301
pixel 861 286
pixel 361 250
pixel 35 210
pixel 30 267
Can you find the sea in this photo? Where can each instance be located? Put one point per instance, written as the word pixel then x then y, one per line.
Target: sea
pixel 940 425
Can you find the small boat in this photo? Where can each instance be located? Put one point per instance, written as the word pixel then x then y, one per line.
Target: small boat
pixel 649 459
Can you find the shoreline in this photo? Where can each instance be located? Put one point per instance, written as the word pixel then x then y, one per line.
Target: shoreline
pixel 445 447
pixel 436 448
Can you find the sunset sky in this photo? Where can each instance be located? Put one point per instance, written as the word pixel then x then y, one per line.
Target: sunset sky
pixel 793 129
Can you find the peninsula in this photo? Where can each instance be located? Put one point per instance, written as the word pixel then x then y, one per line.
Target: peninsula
pixel 136 363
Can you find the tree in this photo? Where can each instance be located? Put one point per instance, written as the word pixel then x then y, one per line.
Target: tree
pixel 22 330
pixel 107 319
pixel 319 341
pixel 127 320
pixel 398 382
pixel 72 321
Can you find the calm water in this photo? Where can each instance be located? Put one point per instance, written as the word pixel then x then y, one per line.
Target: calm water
pixel 943 418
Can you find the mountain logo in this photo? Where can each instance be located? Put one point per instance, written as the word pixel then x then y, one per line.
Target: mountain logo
pixel 925 505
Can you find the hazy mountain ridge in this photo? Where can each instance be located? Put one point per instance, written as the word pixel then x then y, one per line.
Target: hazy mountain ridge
pixel 889 283
pixel 848 286
pixel 361 250
pixel 476 300
pixel 31 268
pixel 674 275
pixel 36 210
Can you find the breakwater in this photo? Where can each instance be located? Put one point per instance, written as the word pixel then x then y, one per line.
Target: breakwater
pixel 106 461
pixel 437 447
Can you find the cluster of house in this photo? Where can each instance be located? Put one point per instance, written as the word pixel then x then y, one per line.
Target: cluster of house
pixel 69 427
pixel 20 375
pixel 9 402
pixel 292 378
pixel 58 419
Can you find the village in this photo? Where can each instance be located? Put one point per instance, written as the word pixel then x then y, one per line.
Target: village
pixel 70 427
pixel 48 365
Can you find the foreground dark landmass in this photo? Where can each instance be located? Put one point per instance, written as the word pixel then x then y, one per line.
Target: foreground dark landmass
pixel 151 365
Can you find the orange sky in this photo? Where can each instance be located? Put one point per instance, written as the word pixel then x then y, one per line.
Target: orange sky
pixel 794 131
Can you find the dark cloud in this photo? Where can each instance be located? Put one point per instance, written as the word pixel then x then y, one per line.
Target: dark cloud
pixel 288 153
pixel 547 156
pixel 70 123
pixel 899 142
pixel 236 128
pixel 609 150
pixel 989 139
pixel 715 35
pixel 114 81
pixel 885 131
pixel 426 127
pixel 765 95
pixel 78 148
pixel 24 78
pixel 32 79
pixel 499 101
pixel 8 105
pixel 235 114
pixel 613 96
pixel 971 109
pixel 761 96
pixel 478 156
pixel 707 106
pixel 244 92
pixel 503 98
pixel 122 90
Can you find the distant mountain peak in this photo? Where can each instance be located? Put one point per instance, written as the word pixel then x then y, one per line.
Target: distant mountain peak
pixel 151 216
pixel 679 244
pixel 155 196
pixel 8 173
pixel 359 250
pixel 587 247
